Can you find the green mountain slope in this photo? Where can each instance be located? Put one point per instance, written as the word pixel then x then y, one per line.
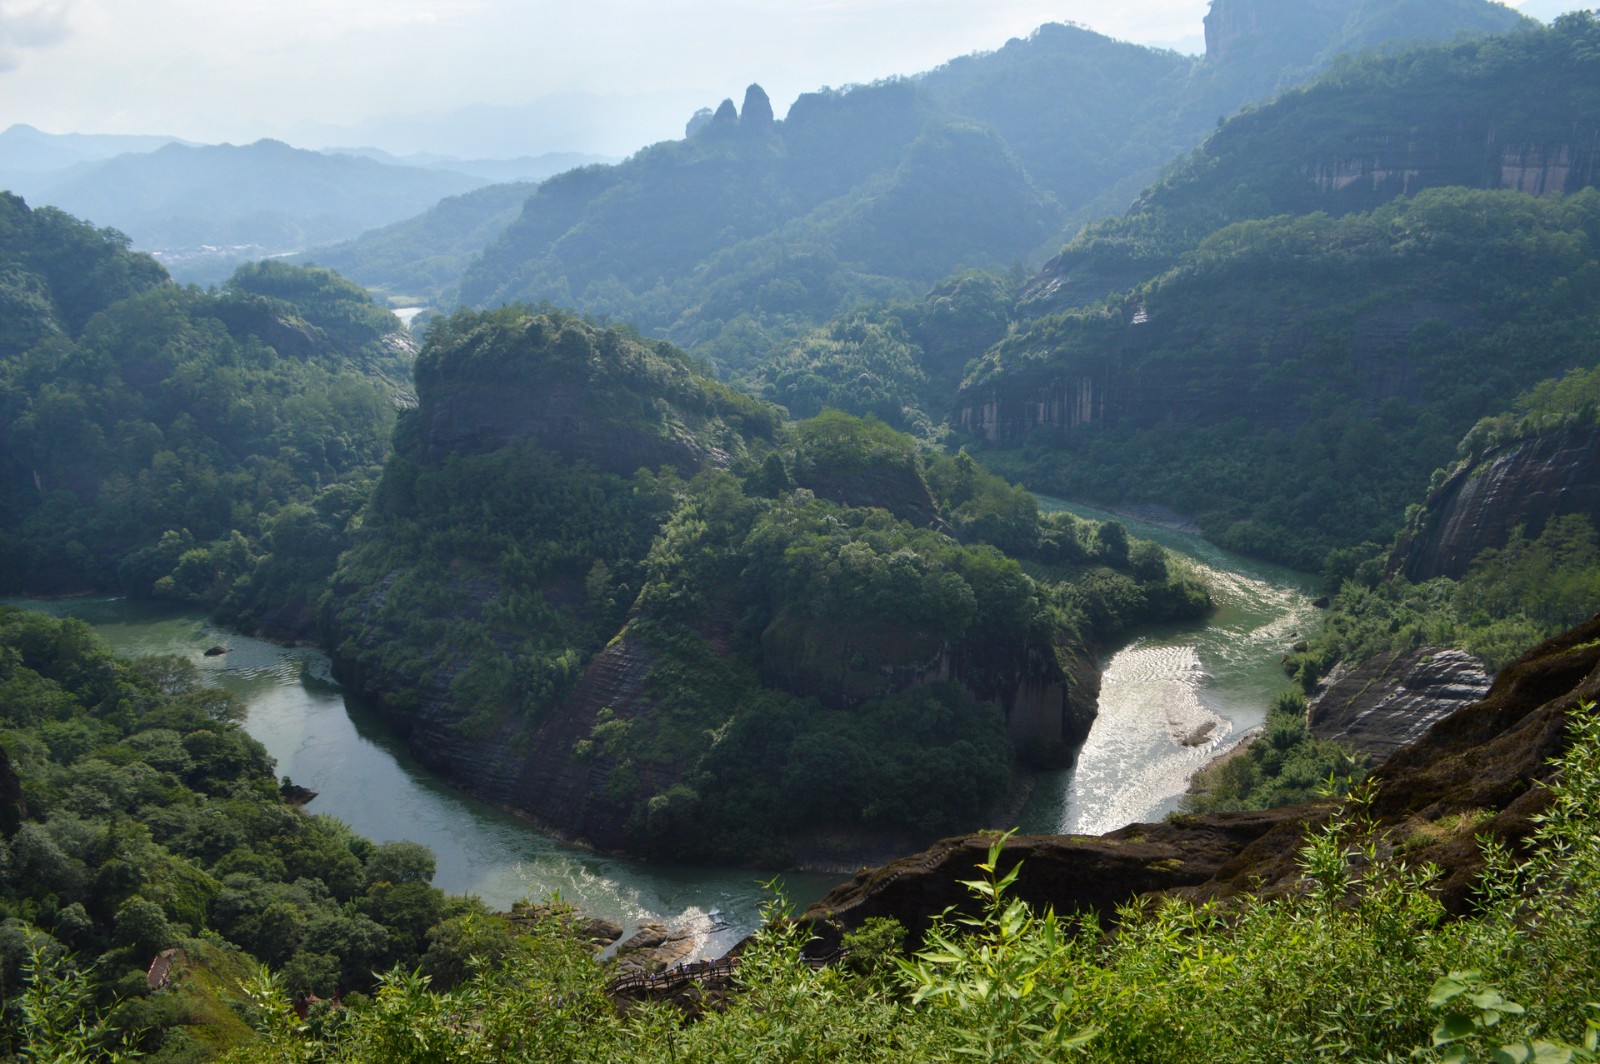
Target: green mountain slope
pixel 204 445
pixel 1514 111
pixel 422 259
pixel 609 592
pixel 188 202
pixel 1294 380
pixel 736 239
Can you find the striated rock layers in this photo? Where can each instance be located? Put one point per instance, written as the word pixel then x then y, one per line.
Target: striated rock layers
pixel 1391 700
pixel 1524 483
pixel 1484 760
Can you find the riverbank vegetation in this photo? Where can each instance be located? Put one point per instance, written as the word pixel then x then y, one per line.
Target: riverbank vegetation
pixel 208 447
pixel 1361 962
pixel 137 817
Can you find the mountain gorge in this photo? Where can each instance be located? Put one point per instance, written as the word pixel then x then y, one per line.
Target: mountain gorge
pixel 613 594
pixel 594 574
pixel 1256 356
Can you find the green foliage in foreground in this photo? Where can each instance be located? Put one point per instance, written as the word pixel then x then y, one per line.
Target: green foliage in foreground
pixel 1359 963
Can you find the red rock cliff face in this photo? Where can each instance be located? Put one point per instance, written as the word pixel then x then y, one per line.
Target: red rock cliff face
pixel 1525 484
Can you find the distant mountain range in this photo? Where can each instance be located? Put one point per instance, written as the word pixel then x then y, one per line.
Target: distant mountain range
pixel 204 208
pixel 748 231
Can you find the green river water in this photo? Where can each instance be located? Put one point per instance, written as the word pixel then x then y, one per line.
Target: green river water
pixel 1157 691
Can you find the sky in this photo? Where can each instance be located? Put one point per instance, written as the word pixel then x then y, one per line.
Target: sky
pixel 602 76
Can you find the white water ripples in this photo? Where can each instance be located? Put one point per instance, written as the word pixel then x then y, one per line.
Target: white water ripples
pixel 1180 695
pixel 1151 733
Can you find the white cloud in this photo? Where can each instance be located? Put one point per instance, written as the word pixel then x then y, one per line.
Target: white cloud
pixel 26 25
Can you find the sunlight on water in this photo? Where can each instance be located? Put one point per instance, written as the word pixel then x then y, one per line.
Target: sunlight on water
pixel 1170 700
pixel 365 777
pixel 1179 695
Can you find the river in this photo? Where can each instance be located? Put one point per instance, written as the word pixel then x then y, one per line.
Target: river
pixel 1204 683
pixel 365 777
pixel 1158 690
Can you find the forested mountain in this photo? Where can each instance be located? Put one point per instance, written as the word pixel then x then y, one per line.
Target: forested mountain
pixel 1515 111
pixel 609 592
pixel 207 208
pixel 1255 377
pixel 736 239
pixel 422 259
pixel 1293 381
pixel 193 444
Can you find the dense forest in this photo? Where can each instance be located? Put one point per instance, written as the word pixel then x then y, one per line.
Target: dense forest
pixel 1512 110
pixel 204 446
pixel 1257 384
pixel 800 615
pixel 569 504
pixel 137 816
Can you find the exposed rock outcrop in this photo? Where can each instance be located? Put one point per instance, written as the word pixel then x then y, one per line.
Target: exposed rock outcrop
pixel 1524 483
pixel 756 114
pixel 1391 700
pixel 594 931
pixel 1476 771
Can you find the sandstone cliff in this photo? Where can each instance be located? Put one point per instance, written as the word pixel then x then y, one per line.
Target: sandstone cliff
pixel 1485 760
pixel 1393 699
pixel 1522 483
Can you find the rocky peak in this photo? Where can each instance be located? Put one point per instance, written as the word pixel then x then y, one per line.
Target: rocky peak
pixel 756 114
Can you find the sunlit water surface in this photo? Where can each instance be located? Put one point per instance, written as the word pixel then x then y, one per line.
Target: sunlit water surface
pixel 1179 695
pixel 1170 701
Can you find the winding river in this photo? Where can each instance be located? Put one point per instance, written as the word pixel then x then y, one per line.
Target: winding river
pixel 1205 683
pixel 1179 695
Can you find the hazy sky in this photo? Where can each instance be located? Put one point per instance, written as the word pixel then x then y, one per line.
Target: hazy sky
pixel 235 70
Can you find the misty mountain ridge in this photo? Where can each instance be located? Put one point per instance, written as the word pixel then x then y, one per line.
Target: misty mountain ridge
pixel 206 208
pixel 735 238
pixel 522 168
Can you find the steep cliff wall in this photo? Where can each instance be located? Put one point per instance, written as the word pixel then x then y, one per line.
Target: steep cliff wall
pixel 1524 483
pixel 1383 704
